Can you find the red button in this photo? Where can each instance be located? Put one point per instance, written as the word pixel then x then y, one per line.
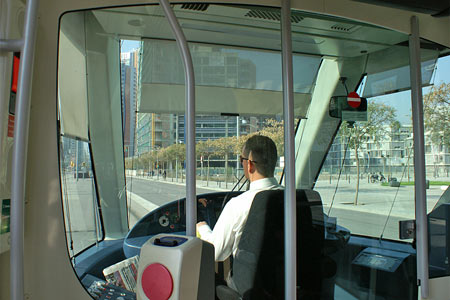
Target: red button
pixel 157 282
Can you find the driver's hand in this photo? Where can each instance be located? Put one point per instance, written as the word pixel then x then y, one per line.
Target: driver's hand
pixel 200 224
pixel 203 201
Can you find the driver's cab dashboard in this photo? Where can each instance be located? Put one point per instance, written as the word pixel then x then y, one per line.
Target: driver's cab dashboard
pixel 171 218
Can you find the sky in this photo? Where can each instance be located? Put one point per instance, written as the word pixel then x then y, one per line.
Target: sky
pixel 402 101
pixel 128 45
pixel 443 70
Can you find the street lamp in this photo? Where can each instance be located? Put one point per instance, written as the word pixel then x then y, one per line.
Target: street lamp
pixel 238 132
pixel 390 167
pixel 149 160
pixel 176 158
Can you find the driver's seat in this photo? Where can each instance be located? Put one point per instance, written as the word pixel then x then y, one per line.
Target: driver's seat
pixel 258 267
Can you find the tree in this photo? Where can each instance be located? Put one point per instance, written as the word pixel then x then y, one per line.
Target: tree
pixel 145 161
pixel 437 117
pixel 378 116
pixel 174 153
pixel 275 131
pixel 205 149
pixel 162 156
pixel 222 147
pixel 129 163
pixel 151 159
pixel 437 114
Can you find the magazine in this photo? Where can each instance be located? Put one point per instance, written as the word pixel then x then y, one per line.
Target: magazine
pixel 123 274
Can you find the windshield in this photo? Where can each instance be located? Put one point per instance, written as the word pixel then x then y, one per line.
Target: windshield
pixel 122 127
pixel 141 140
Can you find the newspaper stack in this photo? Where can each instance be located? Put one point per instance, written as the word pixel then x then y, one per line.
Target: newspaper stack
pixel 123 274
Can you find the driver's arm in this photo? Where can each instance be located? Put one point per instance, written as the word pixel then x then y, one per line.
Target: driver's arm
pixel 223 235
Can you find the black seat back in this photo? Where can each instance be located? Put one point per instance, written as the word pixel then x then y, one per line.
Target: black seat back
pixel 258 267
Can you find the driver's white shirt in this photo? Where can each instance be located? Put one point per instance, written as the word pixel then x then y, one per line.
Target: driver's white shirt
pixel 228 229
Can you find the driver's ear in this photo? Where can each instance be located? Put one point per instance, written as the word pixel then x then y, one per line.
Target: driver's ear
pixel 251 168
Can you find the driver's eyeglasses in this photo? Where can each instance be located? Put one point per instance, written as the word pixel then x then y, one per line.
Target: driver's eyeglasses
pixel 244 158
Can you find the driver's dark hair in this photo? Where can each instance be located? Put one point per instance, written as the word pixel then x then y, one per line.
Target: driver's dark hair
pixel 264 154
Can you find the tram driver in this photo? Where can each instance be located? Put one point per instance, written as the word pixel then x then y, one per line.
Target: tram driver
pixel 258 159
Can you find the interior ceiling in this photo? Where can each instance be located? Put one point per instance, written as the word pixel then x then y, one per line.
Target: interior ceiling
pixel 254 27
pixel 437 8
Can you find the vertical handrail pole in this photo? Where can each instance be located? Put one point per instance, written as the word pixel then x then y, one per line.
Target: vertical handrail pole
pixel 290 220
pixel 191 212
pixel 419 158
pixel 20 147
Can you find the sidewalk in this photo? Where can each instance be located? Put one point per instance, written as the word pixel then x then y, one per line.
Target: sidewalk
pixel 372 197
pixel 213 185
pixel 375 198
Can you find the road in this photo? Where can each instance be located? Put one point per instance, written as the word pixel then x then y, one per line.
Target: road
pixel 160 192
pixel 375 204
pixel 78 205
pixel 145 195
pixel 369 217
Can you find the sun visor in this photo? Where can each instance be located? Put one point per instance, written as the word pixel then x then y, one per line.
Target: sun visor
pixel 218 100
pixel 388 70
pixel 228 79
pixel 72 91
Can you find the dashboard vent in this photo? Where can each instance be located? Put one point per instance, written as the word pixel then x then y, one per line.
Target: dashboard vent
pixel 342 27
pixel 195 6
pixel 270 15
